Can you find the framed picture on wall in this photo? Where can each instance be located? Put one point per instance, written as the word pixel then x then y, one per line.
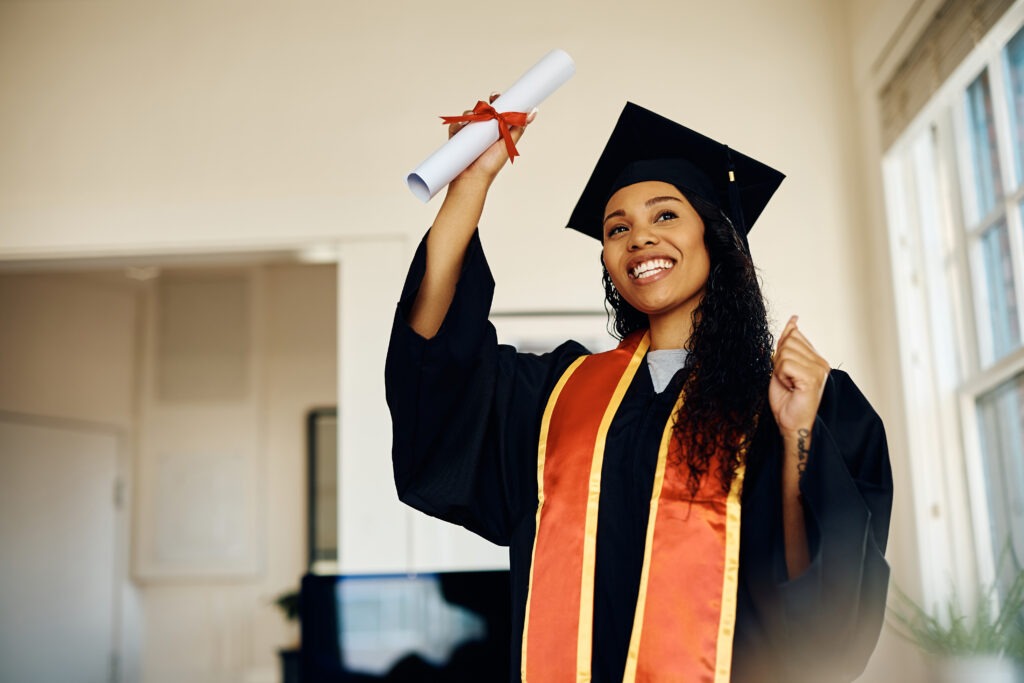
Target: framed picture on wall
pixel 322 445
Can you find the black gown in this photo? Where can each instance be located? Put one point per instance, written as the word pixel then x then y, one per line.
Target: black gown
pixel 466 415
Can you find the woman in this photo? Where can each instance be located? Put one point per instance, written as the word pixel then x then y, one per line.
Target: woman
pixel 686 507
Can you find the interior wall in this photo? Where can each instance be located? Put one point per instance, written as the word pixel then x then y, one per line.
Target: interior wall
pixel 55 361
pixel 230 625
pixel 68 351
pixel 880 33
pixel 58 369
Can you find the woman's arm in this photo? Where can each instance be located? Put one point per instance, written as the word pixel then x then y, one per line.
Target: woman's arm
pixel 794 394
pixel 450 234
pixel 822 624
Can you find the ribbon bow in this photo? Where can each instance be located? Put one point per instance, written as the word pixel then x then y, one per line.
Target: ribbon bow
pixel 485 112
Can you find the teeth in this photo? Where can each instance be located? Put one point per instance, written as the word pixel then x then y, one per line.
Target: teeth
pixel 648 268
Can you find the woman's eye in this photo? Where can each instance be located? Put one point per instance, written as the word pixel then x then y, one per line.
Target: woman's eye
pixel 666 216
pixel 616 229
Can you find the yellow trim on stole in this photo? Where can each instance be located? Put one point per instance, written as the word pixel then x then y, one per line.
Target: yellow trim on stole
pixel 541 453
pixel 633 655
pixel 584 644
pixel 731 575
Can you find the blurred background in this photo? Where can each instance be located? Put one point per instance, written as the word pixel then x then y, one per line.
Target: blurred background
pixel 204 228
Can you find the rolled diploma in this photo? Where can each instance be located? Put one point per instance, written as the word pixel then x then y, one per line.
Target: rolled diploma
pixel 464 147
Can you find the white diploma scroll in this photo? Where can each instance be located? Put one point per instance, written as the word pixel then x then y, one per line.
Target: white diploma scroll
pixel 464 147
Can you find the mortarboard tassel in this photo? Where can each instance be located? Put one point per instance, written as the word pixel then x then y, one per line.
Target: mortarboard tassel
pixel 735 205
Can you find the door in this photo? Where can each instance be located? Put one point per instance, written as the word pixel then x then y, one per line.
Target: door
pixel 57 553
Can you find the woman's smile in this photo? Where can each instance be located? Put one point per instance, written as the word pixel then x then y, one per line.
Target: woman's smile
pixel 649 269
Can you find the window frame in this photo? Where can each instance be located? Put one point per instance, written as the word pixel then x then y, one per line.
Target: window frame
pixel 947 354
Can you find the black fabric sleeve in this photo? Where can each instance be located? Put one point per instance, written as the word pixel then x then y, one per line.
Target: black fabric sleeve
pixel 823 624
pixel 465 410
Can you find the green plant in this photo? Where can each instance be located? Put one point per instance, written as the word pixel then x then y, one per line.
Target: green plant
pixel 996 627
pixel 289 604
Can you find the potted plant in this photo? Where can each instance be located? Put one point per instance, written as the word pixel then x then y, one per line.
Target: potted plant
pixel 288 602
pixel 965 647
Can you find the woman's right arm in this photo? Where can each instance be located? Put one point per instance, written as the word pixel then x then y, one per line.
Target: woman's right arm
pixel 465 410
pixel 451 232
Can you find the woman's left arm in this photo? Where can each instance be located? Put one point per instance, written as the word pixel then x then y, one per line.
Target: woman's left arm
pixel 823 624
pixel 794 394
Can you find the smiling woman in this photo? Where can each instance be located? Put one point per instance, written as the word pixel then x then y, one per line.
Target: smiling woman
pixel 688 506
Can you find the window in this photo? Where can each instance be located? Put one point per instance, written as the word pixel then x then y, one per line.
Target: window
pixel 955 197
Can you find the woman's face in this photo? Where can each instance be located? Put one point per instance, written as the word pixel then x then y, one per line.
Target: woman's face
pixel 654 250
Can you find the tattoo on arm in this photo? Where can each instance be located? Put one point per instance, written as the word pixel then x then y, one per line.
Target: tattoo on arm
pixel 802 451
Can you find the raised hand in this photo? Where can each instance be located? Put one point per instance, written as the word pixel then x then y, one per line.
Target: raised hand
pixel 488 164
pixel 452 230
pixel 798 381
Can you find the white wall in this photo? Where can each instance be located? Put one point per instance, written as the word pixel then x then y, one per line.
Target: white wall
pixel 59 368
pixel 228 624
pixel 68 351
pixel 55 360
pixel 881 33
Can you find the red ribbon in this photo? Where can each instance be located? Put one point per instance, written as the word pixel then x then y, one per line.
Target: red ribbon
pixel 485 112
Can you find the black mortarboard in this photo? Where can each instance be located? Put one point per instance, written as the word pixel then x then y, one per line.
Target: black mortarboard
pixel 646 146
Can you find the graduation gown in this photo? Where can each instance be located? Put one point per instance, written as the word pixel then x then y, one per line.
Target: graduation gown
pixel 466 414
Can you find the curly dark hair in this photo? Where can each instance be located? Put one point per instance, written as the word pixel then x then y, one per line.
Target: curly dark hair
pixel 729 364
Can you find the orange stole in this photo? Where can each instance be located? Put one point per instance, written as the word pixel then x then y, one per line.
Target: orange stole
pixel 556 649
pixel 684 633
pixel 691 568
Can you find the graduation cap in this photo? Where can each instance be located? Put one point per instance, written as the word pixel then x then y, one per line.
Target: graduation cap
pixel 645 146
